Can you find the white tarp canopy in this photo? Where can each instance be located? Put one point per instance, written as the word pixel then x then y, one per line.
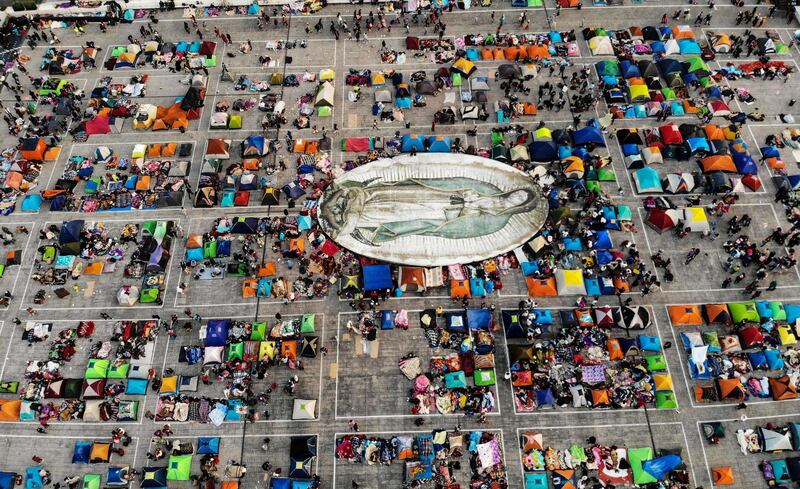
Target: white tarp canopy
pixel 324 96
pixel 304 409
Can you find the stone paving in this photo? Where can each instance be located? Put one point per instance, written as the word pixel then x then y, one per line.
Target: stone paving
pixel 350 384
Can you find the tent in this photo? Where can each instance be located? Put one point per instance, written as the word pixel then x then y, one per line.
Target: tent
pixel 782 388
pixel 685 315
pixel 590 134
pixel 304 409
pixel 377 277
pixel 69 237
pixel 731 389
pixel 695 219
pixel 717 314
pixel 179 467
pixel 570 282
pixel 662 219
pixel 324 95
pixel 412 142
pixel 463 67
pixel 647 180
pixel 637 457
pixel 722 476
pixel 601 46
pixel 154 477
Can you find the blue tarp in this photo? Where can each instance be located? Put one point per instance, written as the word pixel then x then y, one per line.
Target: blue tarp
pixel 7 480
pixel 479 318
pixel 661 466
pixel 32 203
pixel 387 319
pixel 32 478
pixel 376 277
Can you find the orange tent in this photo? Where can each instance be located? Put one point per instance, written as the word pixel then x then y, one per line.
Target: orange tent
pixel 782 388
pixel 636 81
pixel 412 278
pixel 498 54
pixel 52 153
pixel 143 182
pixel 249 287
pixel 289 349
pixel 718 163
pixel 690 108
pixel 169 149
pixel 614 349
pixel 95 268
pixel 9 409
pixel 717 313
pixel 513 52
pixel 251 164
pixel 229 485
pixel 731 389
pixel 299 145
pixel 459 289
pixel 776 163
pixel 663 382
pixel 154 150
pixel 36 152
pixel 297 244
pixel 730 133
pixel 529 109
pixel 678 33
pixel 312 147
pixel 532 441
pixel 542 287
pixel 723 476
pixel 14 180
pixel 622 285
pixel 217 147
pixel 685 315
pixel 537 51
pixel 159 125
pixel 600 397
pixel 268 270
pixel 194 241
pixel 486 54
pixel 714 133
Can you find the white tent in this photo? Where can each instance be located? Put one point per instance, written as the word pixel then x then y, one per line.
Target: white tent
pixel 213 354
pixel 695 219
pixel 383 96
pixel 128 296
pixel 774 441
pixel 469 112
pixel 601 46
pixel 671 47
pixel 652 155
pixel 304 409
pixel 520 153
pixel 570 282
pixel 324 95
pixel 434 277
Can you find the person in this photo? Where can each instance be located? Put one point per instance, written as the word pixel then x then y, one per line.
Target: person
pixel 741 405
pixel 354 484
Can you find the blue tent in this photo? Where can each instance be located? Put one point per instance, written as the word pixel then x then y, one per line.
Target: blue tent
pixel 80 455
pixel 689 46
pixel 602 241
pixel 387 319
pixel 545 397
pixel 629 69
pixel 439 144
pixel 658 47
pixel 512 325
pixel 32 478
pixel 376 277
pixel 7 480
pixel 770 152
pixel 543 151
pixel 630 149
pixel 745 164
pixel 588 134
pixel 252 9
pixel 649 343
pixel 661 466
pixel 792 312
pixel 280 483
pixel 255 145
pixel 412 141
pixel 713 92
pixel 774 360
pixel 32 203
pixel 116 476
pixel 479 318
pixel 70 231
pixel 668 66
pixel 698 144
pixel 208 445
pixel 665 32
pixel 476 287
pixel 217 332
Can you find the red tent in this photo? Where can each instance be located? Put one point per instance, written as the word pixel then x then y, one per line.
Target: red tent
pixel 98 125
pixel 660 220
pixel 670 134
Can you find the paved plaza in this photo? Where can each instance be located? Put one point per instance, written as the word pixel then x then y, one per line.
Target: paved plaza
pixel 350 379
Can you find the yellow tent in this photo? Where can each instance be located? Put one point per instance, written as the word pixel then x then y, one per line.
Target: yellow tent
pixel 663 382
pixel 543 133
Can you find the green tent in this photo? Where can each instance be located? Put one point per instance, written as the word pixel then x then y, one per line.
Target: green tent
pixel 778 312
pixel 624 213
pixel 666 400
pixel 117 51
pixel 179 467
pixel 325 111
pixel 307 325
pixel 2 270
pixel 655 362
pixel 9 387
pixel 497 138
pixel 91 481
pixel 118 371
pixel 611 68
pixel 211 61
pixel 148 296
pixel 259 331
pixel 606 175
pixel 578 454
pixel 534 3
pixel 636 457
pixel 593 186
pixel 744 311
pixel 236 351
pixel 97 368
pixel 210 249
pixel 668 93
pixel 161 230
pixel 235 122
pixel 696 63
pixel 484 377
pixel 148 228
pixel 456 79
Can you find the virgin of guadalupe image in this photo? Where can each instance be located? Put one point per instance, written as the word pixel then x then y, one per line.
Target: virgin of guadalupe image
pixel 375 212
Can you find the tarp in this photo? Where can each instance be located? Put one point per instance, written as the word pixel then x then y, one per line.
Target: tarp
pixel 377 277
